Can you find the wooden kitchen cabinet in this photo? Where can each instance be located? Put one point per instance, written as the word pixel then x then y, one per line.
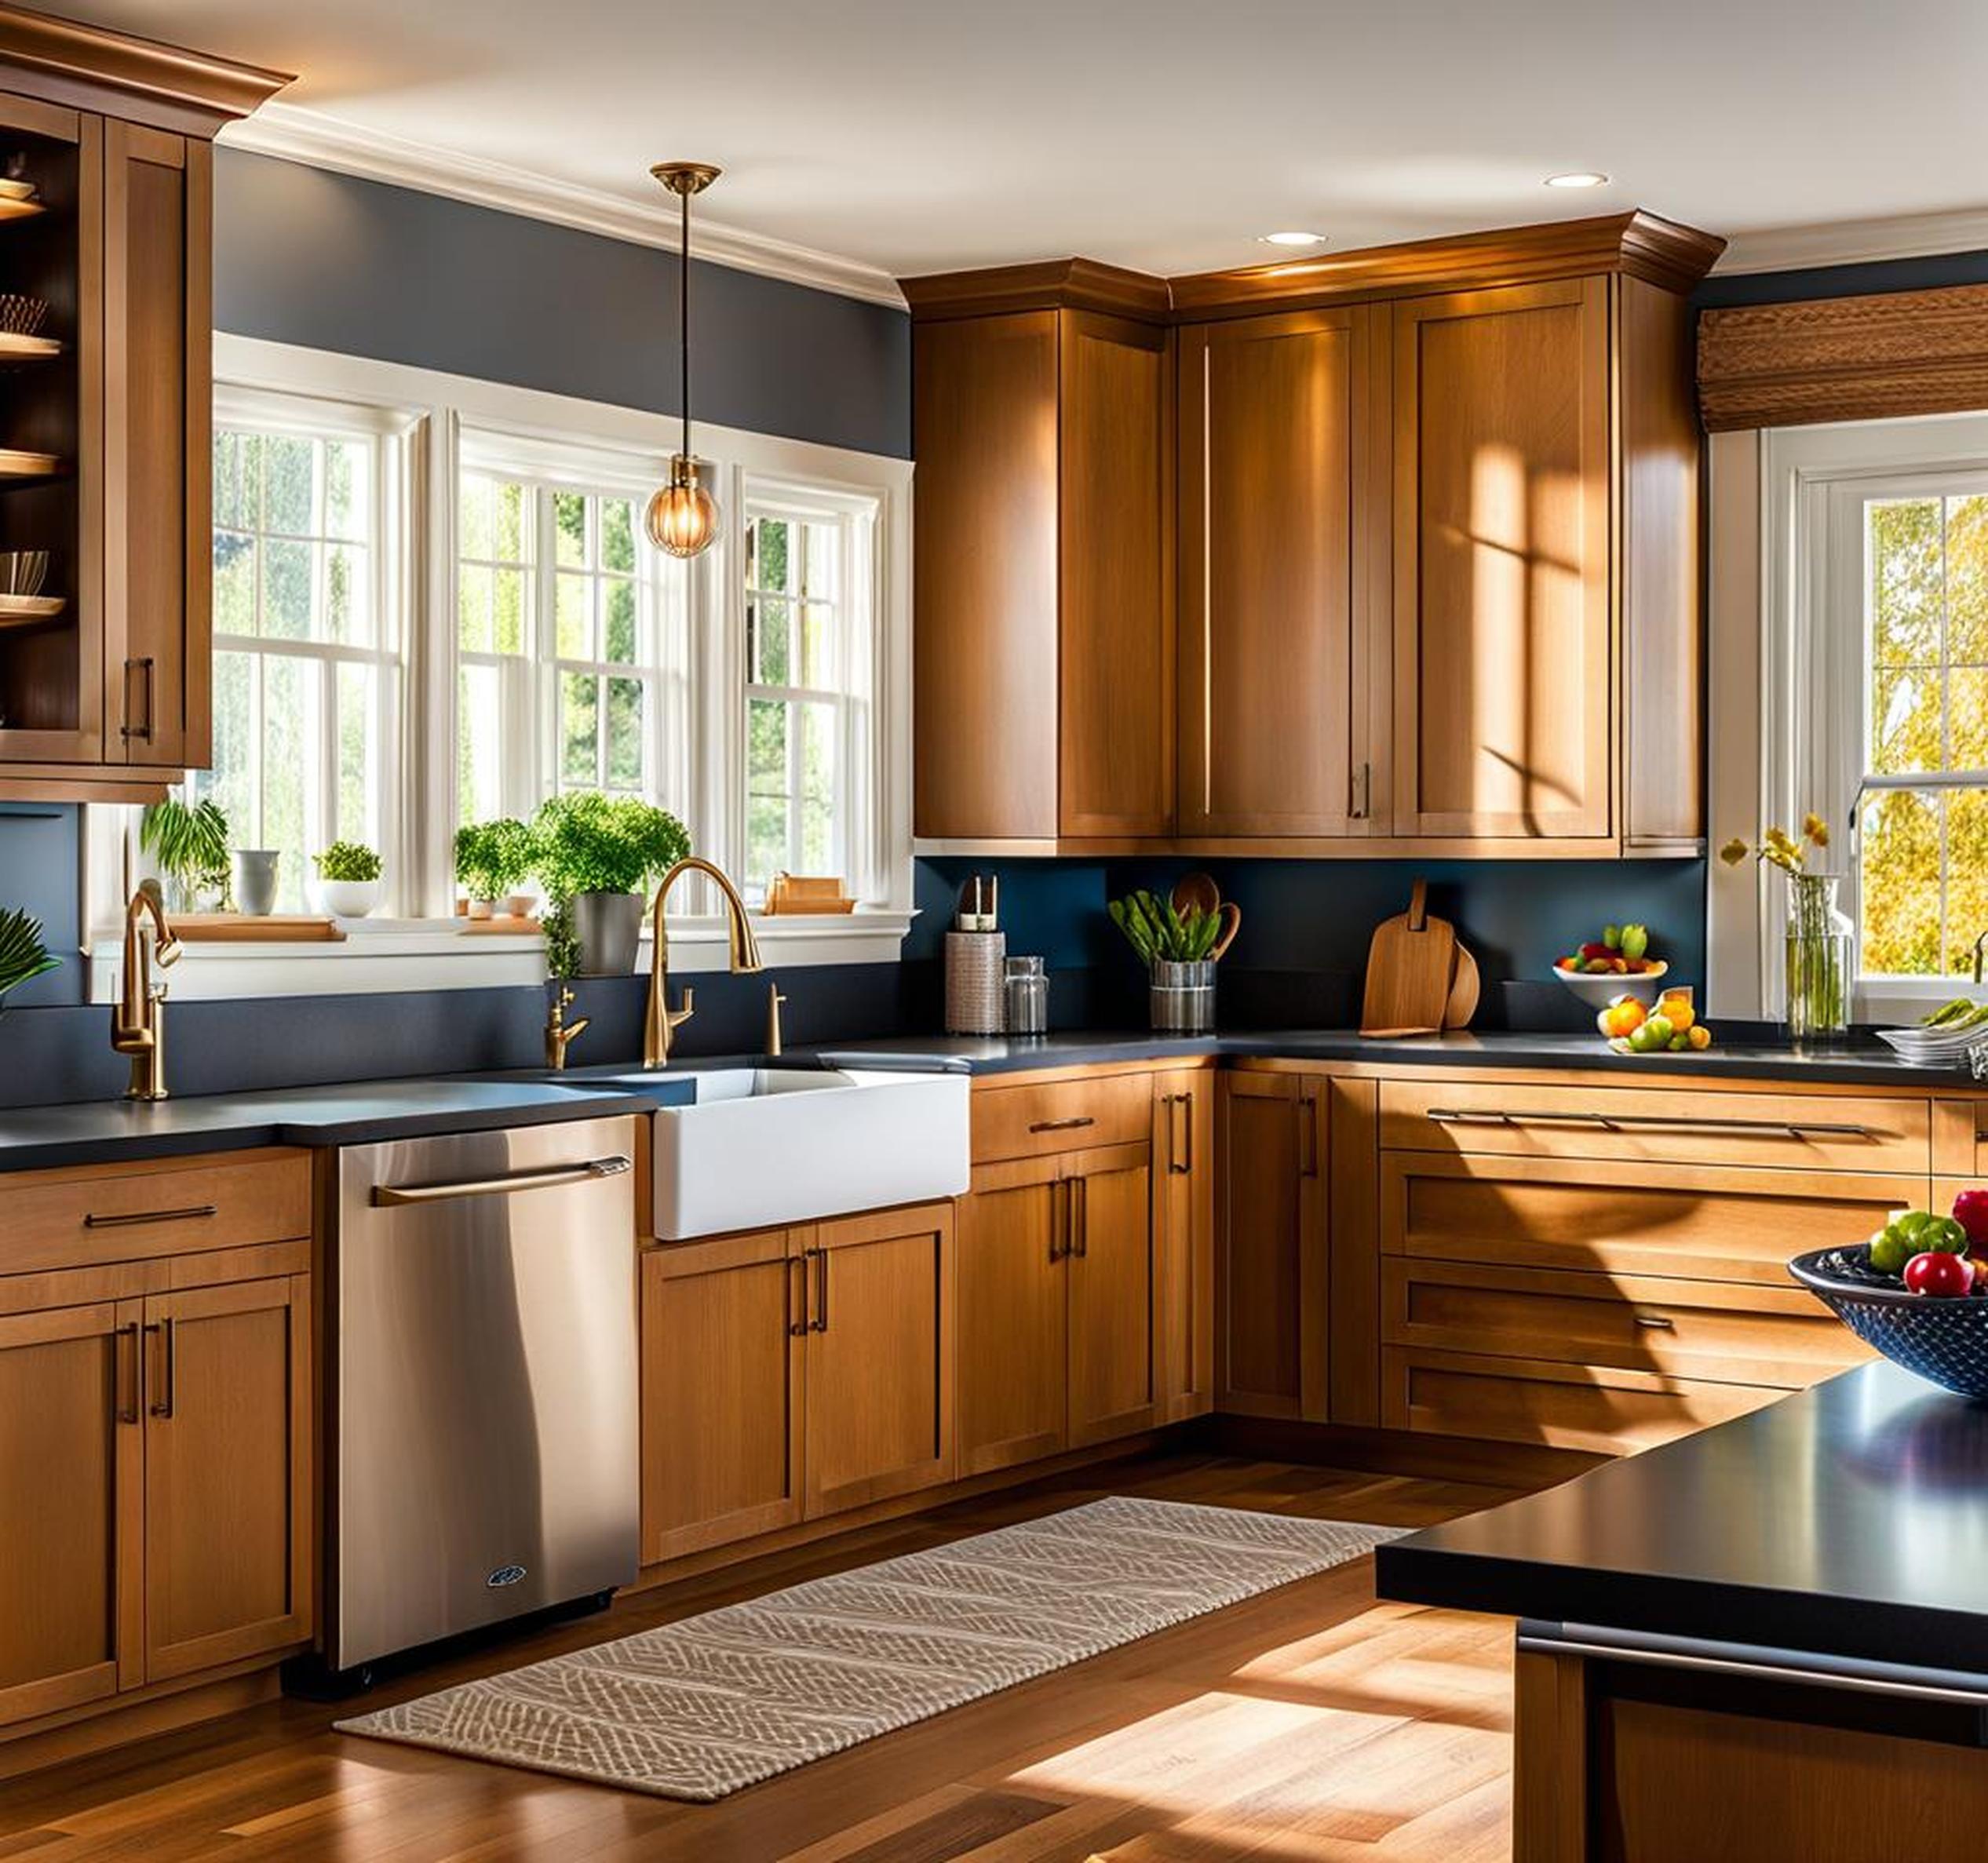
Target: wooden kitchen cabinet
pixel 880 1344
pixel 1043 618
pixel 109 699
pixel 1014 1319
pixel 1272 1265
pixel 1183 1244
pixel 1274 419
pixel 724 1330
pixel 228 1474
pixel 72 1493
pixel 1109 1268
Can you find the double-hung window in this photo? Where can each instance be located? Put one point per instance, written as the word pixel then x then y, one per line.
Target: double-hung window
pixel 809 578
pixel 571 663
pixel 309 636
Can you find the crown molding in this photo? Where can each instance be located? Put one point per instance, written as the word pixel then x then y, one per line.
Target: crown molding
pixel 1857 242
pixel 295 133
pixel 1050 284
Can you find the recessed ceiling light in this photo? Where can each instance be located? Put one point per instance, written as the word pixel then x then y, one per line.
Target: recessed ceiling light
pixel 1292 238
pixel 1581 177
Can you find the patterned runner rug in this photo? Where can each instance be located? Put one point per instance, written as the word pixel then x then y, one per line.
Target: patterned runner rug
pixel 699 1709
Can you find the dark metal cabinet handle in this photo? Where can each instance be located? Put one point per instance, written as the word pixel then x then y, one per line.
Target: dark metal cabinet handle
pixel 1059 1220
pixel 797 1318
pixel 1063 1125
pixel 121 1411
pixel 1181 1157
pixel 1308 1137
pixel 166 1406
pixel 1619 1122
pixel 147 669
pixel 1078 1209
pixel 194 1213
pixel 1363 804
pixel 820 1321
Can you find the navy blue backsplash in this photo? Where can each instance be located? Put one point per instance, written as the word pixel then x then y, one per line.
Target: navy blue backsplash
pixel 39 874
pixel 1301 955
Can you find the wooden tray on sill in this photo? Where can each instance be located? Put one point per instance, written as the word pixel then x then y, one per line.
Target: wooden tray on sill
pixel 503 926
pixel 238 927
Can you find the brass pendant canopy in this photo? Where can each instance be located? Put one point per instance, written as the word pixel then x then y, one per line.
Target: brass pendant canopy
pixel 682 518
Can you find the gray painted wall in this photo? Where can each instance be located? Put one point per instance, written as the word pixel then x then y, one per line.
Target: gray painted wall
pixel 304 256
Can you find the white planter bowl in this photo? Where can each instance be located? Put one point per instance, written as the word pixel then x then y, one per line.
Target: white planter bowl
pixel 349 899
pixel 1598 989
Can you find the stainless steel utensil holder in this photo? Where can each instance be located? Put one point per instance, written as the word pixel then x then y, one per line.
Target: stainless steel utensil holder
pixel 975 961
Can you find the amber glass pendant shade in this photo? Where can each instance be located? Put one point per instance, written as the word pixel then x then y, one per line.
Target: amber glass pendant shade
pixel 683 516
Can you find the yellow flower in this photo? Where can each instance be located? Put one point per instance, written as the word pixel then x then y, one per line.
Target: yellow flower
pixel 1777 837
pixel 1816 830
pixel 1733 852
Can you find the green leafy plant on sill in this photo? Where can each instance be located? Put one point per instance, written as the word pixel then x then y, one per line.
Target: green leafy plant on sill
pixel 23 955
pixel 1161 935
pixel 588 843
pixel 347 860
pixel 189 841
pixel 562 941
pixel 492 859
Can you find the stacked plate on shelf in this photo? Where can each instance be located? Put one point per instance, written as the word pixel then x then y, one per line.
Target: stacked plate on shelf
pixel 1948 1045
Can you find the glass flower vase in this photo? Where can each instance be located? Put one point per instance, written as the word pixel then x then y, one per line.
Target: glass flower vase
pixel 1819 946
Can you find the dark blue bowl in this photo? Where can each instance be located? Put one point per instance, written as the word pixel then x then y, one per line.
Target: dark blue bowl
pixel 1944 1341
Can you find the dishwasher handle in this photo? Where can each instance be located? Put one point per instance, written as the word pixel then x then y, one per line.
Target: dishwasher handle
pixel 389 1196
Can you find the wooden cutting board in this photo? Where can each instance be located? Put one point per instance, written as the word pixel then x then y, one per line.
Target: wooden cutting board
pixel 1465 987
pixel 1409 972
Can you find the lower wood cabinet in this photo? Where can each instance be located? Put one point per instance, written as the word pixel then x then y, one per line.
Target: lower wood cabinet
pixel 156 1489
pixel 791 1373
pixel 1056 1297
pixel 1183 1244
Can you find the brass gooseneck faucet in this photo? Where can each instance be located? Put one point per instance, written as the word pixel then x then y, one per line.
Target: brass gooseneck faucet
pixel 560 1035
pixel 138 1020
pixel 662 1021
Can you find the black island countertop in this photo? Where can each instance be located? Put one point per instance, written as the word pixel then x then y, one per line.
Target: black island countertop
pixel 1846 1521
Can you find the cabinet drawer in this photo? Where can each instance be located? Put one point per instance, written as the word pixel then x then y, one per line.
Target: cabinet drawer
pixel 1711 1223
pixel 1600 1409
pixel 1068 1115
pixel 72 1219
pixel 1657 1125
pixel 1739 1334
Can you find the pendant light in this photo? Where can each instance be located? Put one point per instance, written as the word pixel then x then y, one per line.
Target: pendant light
pixel 683 516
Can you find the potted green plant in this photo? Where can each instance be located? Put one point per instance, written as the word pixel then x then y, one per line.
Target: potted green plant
pixel 348 878
pixel 23 955
pixel 599 852
pixel 1179 946
pixel 189 842
pixel 491 857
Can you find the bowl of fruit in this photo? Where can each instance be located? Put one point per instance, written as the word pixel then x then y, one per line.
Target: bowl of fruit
pixel 1617 963
pixel 1917 1292
pixel 1670 1027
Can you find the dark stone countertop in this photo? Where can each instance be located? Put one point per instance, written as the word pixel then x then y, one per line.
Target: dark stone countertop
pixel 1849 1520
pixel 1860 1062
pixel 99 1132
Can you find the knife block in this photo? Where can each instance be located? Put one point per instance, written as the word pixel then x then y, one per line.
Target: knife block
pixel 975 965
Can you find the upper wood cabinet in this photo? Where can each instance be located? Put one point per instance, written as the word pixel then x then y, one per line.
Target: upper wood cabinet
pixel 106 698
pixel 1436 514
pixel 1273 437
pixel 1044 600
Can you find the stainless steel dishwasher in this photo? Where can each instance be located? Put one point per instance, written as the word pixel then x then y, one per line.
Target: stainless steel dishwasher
pixel 485 1387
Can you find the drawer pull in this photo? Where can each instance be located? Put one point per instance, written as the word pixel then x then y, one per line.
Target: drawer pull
pixel 169 1404
pixel 1656 1323
pixel 192 1213
pixel 1624 1122
pixel 1063 1125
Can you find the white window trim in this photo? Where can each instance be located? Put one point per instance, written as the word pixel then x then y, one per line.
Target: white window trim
pixel 437 408
pixel 1786 735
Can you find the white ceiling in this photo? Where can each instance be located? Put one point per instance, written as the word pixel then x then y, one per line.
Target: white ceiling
pixel 913 136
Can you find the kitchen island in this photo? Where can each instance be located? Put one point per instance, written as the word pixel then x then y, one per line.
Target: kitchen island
pixel 1766 1641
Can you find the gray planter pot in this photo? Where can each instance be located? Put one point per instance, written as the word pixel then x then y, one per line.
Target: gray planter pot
pixel 1182 997
pixel 607 927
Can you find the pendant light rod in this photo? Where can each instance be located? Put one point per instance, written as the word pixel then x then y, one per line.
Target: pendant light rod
pixel 684 179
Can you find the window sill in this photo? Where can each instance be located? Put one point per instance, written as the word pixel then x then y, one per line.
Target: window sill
pixel 436 954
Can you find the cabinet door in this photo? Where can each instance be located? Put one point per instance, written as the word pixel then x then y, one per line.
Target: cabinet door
pixel 158 474
pixel 1013 1325
pixel 723 1333
pixel 1183 1244
pixel 1115 576
pixel 227 1473
pixel 1110 1280
pixel 1504 675
pixel 1273 431
pixel 880 1357
pixel 1271 1296
pixel 71 1482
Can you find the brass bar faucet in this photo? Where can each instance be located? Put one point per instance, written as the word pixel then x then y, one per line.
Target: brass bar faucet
pixel 662 1021
pixel 560 1035
pixel 138 1020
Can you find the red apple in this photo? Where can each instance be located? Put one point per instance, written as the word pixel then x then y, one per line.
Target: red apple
pixel 1943 1276
pixel 1971 1212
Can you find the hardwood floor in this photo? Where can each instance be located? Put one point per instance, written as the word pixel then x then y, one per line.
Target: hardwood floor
pixel 1310 1723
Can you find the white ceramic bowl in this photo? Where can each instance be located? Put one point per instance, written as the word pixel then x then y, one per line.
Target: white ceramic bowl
pixel 348 898
pixel 1598 989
